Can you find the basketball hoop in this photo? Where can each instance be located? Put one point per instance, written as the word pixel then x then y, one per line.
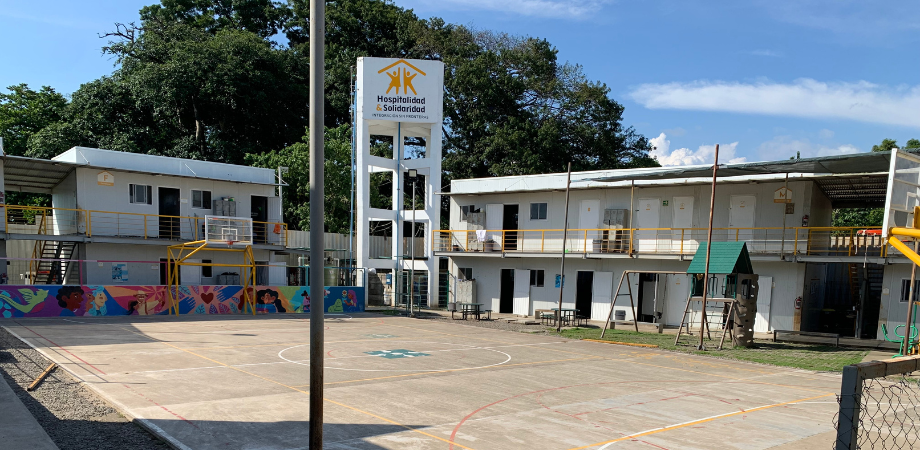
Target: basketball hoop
pixel 230 243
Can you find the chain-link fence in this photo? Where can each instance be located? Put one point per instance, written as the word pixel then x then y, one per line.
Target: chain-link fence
pixel 880 405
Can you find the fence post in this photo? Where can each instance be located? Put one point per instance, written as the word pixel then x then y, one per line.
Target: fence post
pixel 848 417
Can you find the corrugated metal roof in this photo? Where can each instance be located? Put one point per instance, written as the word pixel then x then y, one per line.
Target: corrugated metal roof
pixel 725 257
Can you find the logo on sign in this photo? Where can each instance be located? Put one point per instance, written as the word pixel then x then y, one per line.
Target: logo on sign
pixel 105 179
pixel 401 77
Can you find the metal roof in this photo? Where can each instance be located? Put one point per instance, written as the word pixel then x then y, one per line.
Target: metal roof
pixel 725 257
pixel 22 174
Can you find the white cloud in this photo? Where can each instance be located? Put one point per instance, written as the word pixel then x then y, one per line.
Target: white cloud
pixel 770 53
pixel 704 154
pixel 782 147
pixel 862 101
pixel 826 134
pixel 540 8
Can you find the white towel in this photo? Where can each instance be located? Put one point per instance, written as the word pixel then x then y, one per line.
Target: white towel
pixel 481 235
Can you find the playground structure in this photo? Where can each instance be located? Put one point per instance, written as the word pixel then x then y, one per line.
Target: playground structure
pixel 219 231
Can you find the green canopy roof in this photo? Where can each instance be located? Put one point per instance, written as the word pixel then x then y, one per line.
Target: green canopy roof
pixel 726 257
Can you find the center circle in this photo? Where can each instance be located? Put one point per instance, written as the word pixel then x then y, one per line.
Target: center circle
pixel 426 351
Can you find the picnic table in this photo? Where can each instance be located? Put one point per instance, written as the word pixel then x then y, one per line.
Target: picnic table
pixel 566 314
pixel 469 309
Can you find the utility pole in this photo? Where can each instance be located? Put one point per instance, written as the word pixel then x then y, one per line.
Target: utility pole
pixel 317 218
pixel 712 204
pixel 565 231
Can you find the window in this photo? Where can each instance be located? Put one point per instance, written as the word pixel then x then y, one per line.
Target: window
pixel 466 273
pixel 201 199
pixel 538 211
pixel 206 271
pixel 905 288
pixel 141 193
pixel 466 210
pixel 536 277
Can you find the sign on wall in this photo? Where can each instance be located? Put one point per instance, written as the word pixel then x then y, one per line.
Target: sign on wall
pixel 105 179
pixel 119 272
pixel 401 90
pixel 782 195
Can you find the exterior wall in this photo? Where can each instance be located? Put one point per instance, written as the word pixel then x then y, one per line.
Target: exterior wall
pixel 148 273
pixel 92 196
pixel 767 213
pixel 673 289
pixel 98 300
pixel 893 312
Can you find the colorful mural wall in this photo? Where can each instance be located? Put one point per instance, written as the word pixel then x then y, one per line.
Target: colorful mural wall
pixel 94 300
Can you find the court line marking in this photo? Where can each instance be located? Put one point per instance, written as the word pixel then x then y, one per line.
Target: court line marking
pixel 606 444
pixel 307 393
pixel 401 370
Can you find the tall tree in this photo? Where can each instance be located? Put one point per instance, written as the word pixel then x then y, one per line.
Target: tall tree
pixel 24 112
pixel 885 146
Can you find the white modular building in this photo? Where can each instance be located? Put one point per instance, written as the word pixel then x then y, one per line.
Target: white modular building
pixel 506 235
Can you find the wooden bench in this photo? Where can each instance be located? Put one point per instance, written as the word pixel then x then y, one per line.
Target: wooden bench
pixel 834 336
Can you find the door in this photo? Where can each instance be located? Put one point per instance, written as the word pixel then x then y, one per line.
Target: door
pixel 741 216
pixel 521 305
pixel 259 213
pixel 648 297
pixel 764 294
pixel 676 294
pixel 506 292
pixel 510 226
pixel 589 219
pixel 584 292
pixel 603 291
pixel 683 241
pixel 647 216
pixel 168 200
pixel 494 222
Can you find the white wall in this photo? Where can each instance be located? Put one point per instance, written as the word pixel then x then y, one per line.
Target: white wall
pixel 673 289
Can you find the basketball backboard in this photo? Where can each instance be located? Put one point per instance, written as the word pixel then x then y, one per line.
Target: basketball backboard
pixel 228 230
pixel 903 192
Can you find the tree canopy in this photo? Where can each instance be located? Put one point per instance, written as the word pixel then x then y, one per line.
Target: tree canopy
pixel 227 80
pixel 888 144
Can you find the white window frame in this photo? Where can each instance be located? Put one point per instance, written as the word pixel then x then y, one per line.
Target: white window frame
pixel 203 205
pixel 148 193
pixel 545 211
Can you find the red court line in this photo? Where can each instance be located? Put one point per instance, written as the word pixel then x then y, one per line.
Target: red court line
pixel 62 348
pixel 135 391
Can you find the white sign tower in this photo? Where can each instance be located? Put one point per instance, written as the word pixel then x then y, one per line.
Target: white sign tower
pixel 402 99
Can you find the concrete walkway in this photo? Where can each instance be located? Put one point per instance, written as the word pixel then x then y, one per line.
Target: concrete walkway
pixel 19 429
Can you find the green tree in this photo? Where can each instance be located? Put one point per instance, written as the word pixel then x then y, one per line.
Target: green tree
pixel 858 217
pixel 24 112
pixel 912 143
pixel 885 146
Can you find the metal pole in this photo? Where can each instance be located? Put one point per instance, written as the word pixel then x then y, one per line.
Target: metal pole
pixel 905 346
pixel 782 245
pixel 712 205
pixel 412 251
pixel 565 230
pixel 317 217
pixel 351 210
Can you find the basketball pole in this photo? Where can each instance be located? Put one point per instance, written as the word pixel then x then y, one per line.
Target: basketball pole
pixel 317 218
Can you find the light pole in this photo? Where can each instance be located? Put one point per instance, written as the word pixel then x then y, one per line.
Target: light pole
pixel 412 177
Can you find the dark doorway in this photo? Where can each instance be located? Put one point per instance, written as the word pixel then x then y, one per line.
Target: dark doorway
pixel 842 298
pixel 647 298
pixel 510 225
pixel 506 299
pixel 259 214
pixel 584 290
pixel 169 206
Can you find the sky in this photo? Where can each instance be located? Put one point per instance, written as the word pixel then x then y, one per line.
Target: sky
pixel 763 79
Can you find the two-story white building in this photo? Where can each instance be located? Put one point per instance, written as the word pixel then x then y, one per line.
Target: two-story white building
pixel 506 234
pixel 110 207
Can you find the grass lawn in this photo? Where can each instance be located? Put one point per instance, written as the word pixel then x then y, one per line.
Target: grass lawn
pixel 802 356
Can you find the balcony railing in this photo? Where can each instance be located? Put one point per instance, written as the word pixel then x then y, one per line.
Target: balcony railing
pixel 817 241
pixel 78 222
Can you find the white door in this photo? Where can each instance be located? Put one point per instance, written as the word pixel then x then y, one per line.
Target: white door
pixel 682 222
pixel 741 217
pixel 603 291
pixel 521 305
pixel 764 295
pixel 676 298
pixel 589 220
pixel 647 216
pixel 494 217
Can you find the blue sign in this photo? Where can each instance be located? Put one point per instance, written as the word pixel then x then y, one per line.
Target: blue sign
pixel 557 280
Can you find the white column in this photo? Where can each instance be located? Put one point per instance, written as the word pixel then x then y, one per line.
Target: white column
pixel 362 196
pixel 433 208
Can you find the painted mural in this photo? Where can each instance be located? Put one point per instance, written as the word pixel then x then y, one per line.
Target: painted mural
pixel 120 300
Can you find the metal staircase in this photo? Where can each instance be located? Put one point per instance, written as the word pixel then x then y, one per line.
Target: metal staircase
pixel 53 264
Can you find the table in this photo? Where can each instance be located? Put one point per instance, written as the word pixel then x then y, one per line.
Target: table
pixel 568 314
pixel 470 309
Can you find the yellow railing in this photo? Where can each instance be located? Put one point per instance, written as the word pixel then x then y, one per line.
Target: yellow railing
pixel 63 221
pixel 827 241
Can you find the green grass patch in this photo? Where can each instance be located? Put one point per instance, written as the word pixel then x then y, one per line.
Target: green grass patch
pixel 801 356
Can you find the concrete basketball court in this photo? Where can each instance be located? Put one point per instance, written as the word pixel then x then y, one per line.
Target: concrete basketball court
pixel 228 382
